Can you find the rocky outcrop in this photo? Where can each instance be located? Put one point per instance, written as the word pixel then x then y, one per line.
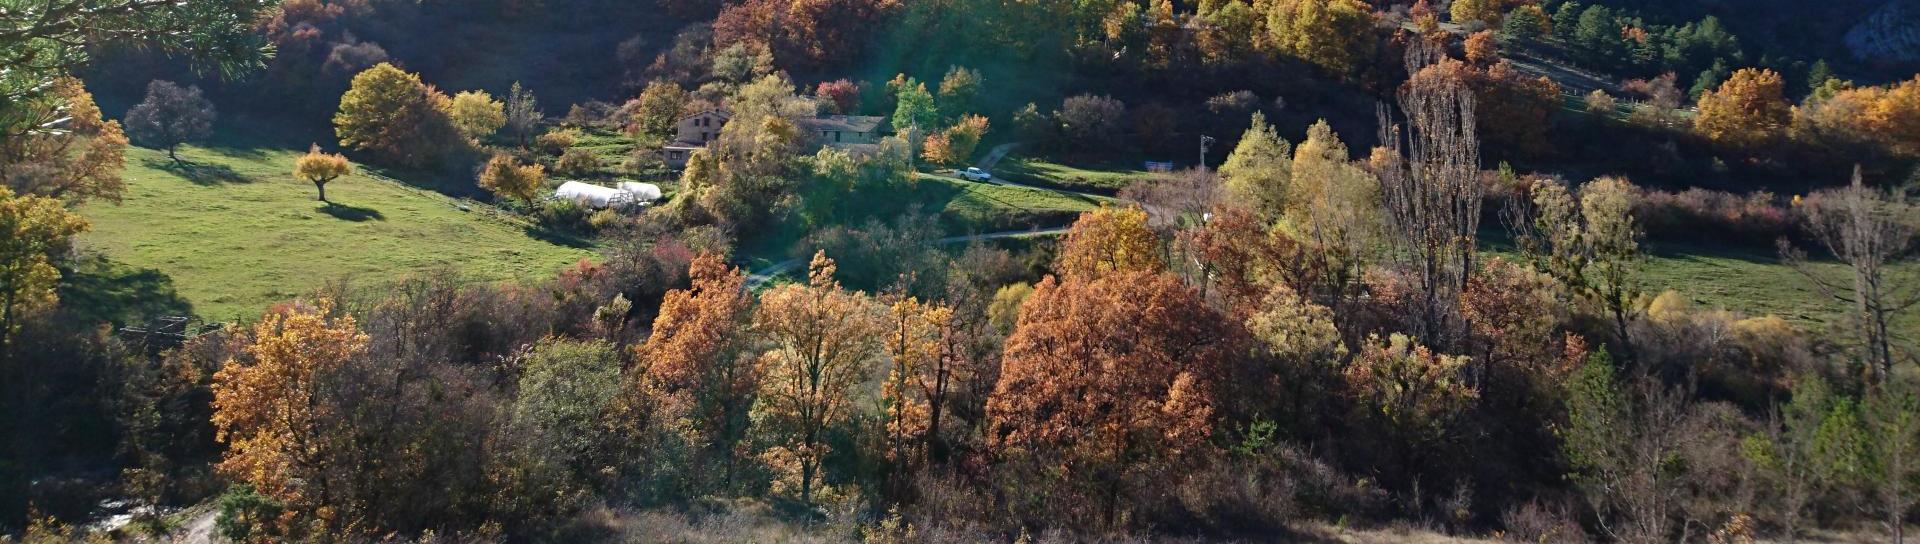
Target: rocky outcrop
pixel 1889 34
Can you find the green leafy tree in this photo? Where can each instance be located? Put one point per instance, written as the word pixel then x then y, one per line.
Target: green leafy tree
pixel 565 391
pixel 1259 169
pixel 915 109
pixel 1526 24
pixel 1813 445
pixel 958 90
pixel 45 41
pixel 1892 429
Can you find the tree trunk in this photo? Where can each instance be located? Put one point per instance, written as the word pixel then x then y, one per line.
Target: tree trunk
pixel 322 186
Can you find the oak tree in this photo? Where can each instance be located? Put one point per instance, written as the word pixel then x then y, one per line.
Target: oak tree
pixel 696 367
pixel 1747 111
pixel 823 338
pixel 1109 381
pixel 268 406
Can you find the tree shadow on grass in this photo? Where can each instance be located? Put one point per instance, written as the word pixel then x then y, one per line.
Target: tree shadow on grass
pixel 355 214
pixel 198 173
pixel 556 237
pixel 100 290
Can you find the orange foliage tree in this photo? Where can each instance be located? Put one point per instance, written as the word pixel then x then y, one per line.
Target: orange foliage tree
pixel 1107 381
pixel 1512 110
pixel 823 337
pixel 695 369
pixel 1747 111
pixel 269 410
pixel 76 164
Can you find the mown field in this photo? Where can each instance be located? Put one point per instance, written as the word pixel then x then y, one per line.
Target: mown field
pixel 236 232
pixel 1105 179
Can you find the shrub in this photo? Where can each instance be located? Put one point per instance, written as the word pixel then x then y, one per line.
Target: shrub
pixel 577 162
pixel 1601 104
pixel 557 140
pixel 1703 215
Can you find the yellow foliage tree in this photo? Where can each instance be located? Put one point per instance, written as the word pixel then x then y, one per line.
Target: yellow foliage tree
pixel 506 177
pixel 391 113
pixel 956 145
pixel 1258 171
pixel 1895 117
pixel 33 229
pixel 1109 240
pixel 914 347
pixel 476 114
pixel 1749 110
pixel 1334 34
pixel 823 337
pixel 320 168
pixel 697 373
pixel 1481 48
pixel 1484 11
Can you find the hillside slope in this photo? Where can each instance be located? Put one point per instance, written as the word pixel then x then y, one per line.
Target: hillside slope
pixel 236 232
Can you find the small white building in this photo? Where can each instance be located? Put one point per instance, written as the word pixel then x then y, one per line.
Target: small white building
pixel 600 196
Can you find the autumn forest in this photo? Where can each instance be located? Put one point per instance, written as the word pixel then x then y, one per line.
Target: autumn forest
pixel 904 271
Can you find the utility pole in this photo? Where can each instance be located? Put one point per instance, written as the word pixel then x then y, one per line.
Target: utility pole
pixel 1205 140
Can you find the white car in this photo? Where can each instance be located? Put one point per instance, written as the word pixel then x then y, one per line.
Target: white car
pixel 974 174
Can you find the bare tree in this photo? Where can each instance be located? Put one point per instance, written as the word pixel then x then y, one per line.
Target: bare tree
pixel 1868 230
pixel 1431 190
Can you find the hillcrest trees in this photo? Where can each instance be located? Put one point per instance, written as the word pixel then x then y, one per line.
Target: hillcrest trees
pixel 393 115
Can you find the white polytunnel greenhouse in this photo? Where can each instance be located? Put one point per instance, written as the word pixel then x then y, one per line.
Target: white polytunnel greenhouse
pixel 599 196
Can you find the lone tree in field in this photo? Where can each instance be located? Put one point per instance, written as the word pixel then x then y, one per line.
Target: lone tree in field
pixel 1869 231
pixel 505 177
pixel 319 168
pixel 170 116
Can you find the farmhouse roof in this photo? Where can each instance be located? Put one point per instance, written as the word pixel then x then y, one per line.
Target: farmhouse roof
pixel 722 113
pixel 843 123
